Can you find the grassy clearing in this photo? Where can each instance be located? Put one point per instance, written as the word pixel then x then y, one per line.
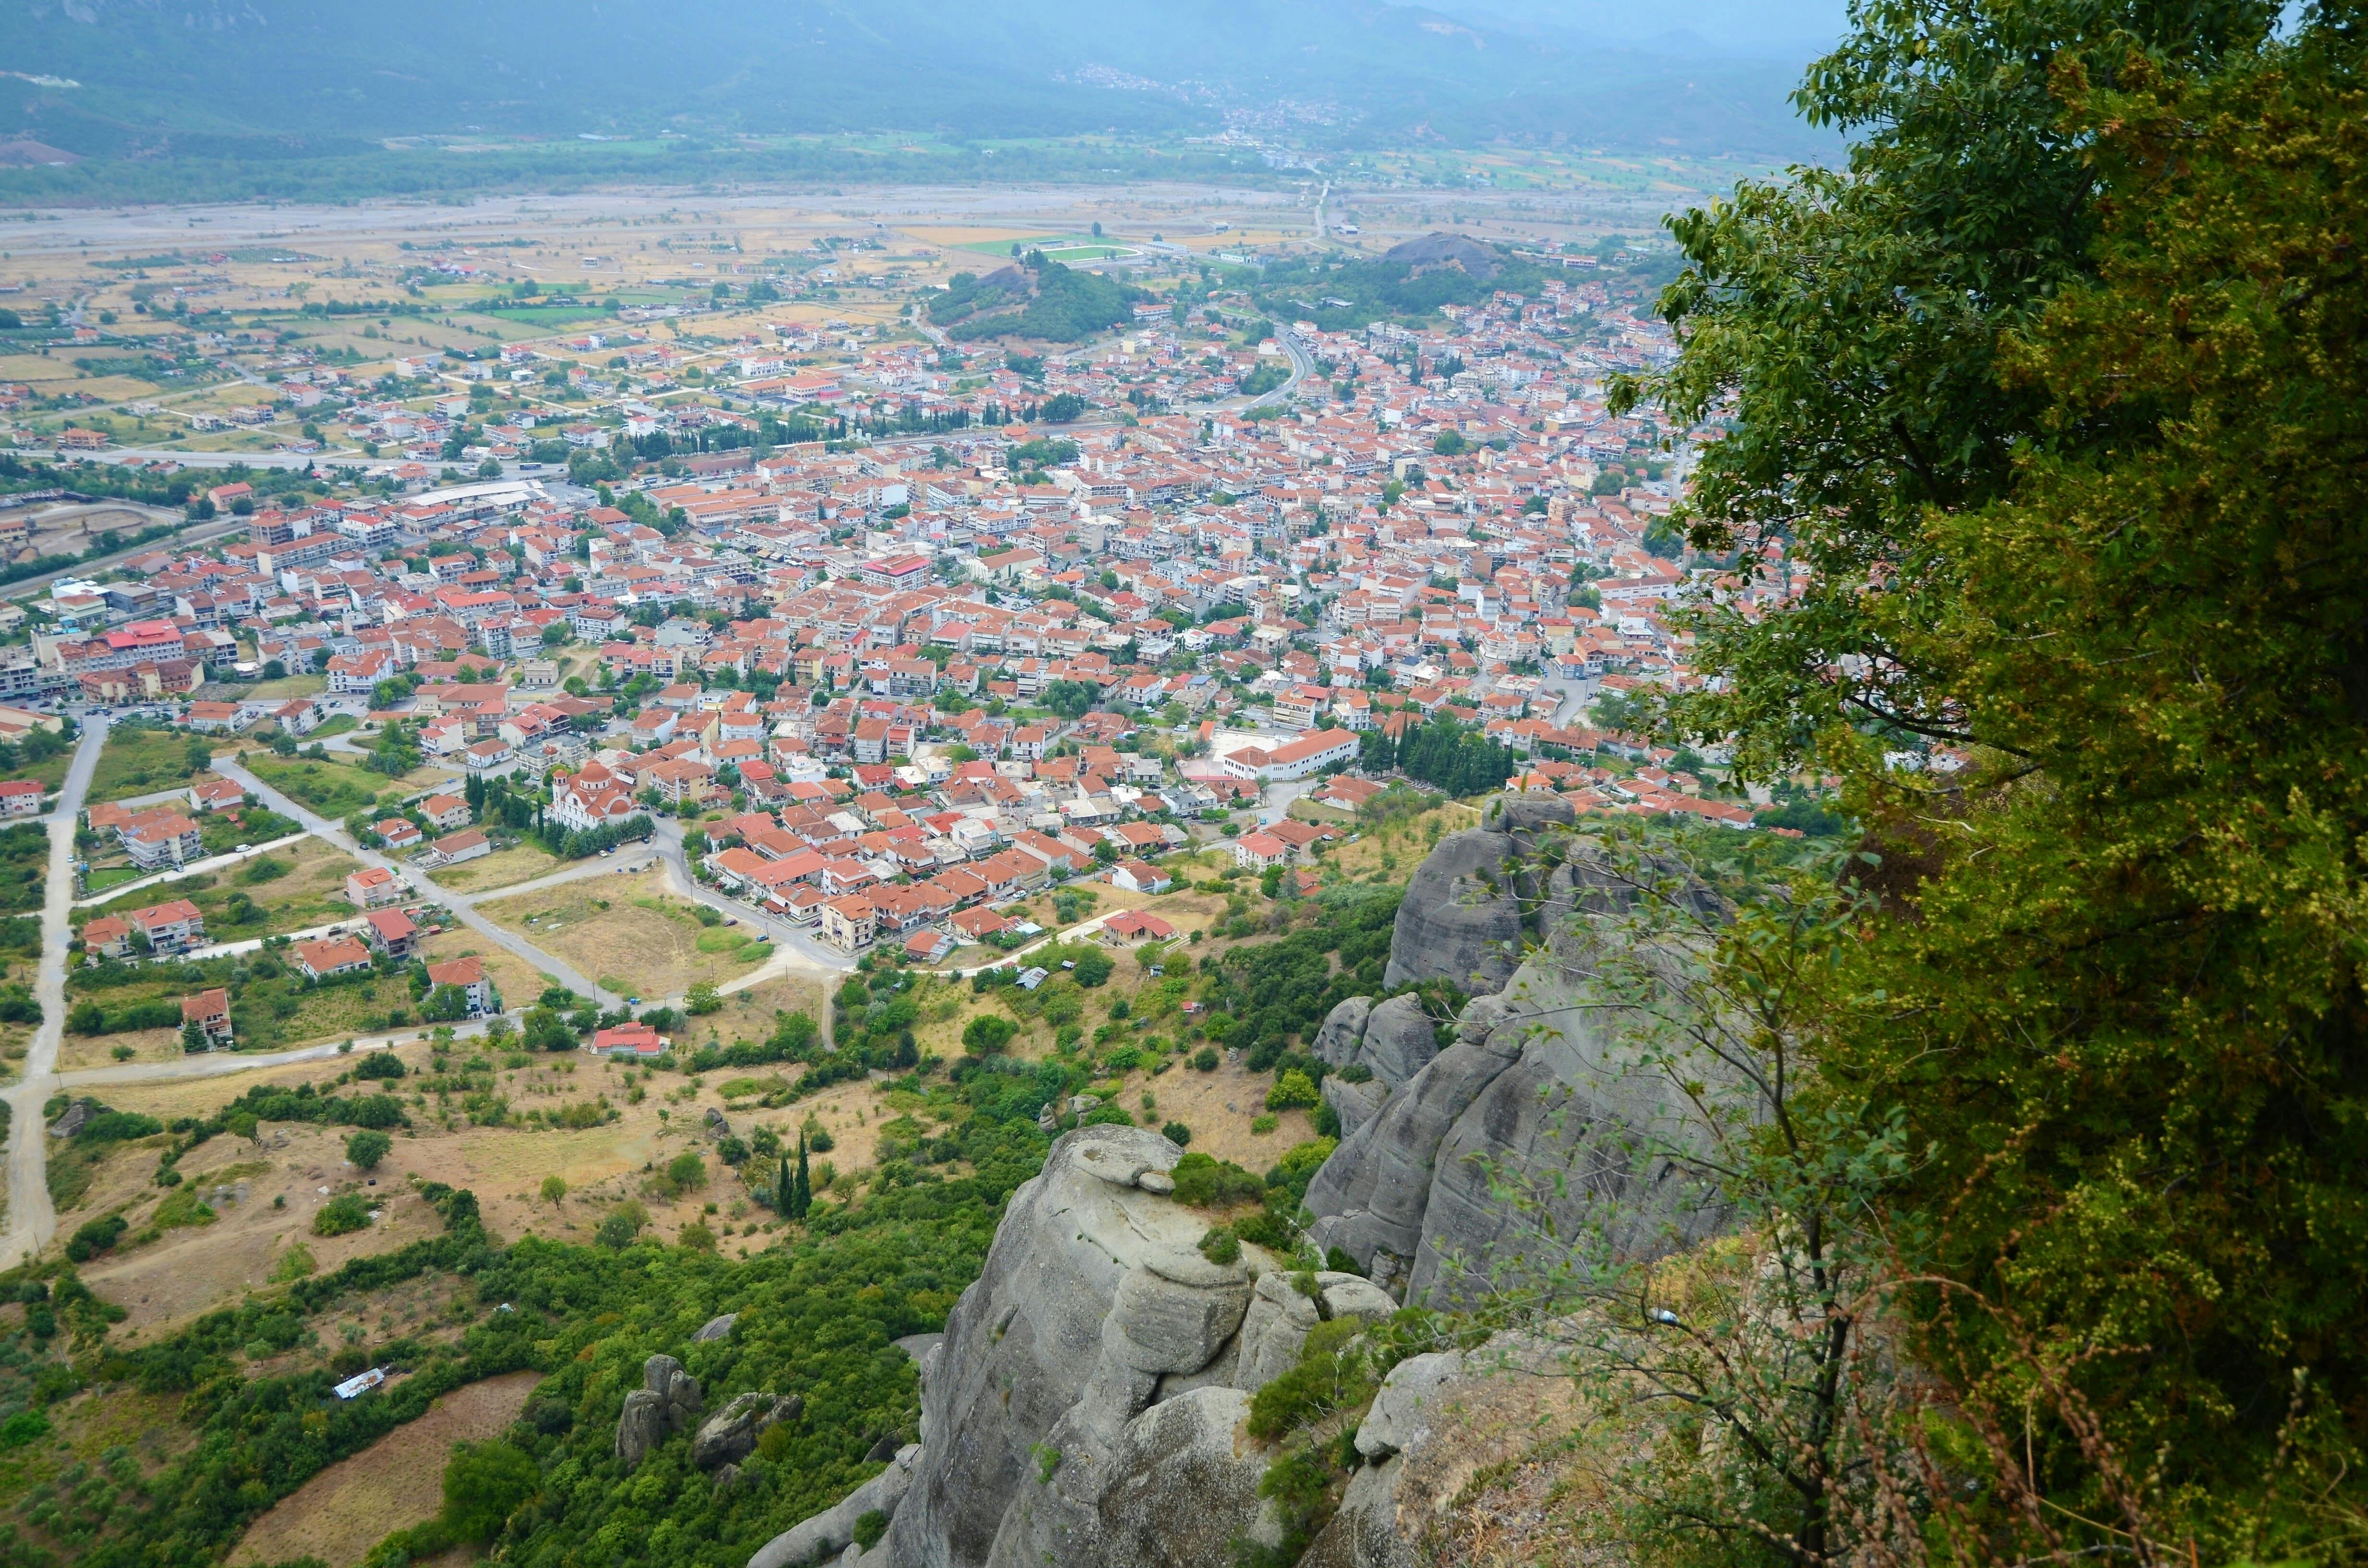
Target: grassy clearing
pixel 332 789
pixel 521 863
pixel 626 932
pixel 140 762
pixel 397 1481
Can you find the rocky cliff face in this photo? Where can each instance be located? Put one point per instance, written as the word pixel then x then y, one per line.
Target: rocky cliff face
pixel 1535 1093
pixel 1087 1407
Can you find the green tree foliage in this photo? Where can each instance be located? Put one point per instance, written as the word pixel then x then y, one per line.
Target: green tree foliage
pixel 987 1033
pixel 1070 699
pixel 1458 758
pixel 2055 405
pixel 484 1483
pixel 341 1215
pixel 366 1148
pixel 1042 299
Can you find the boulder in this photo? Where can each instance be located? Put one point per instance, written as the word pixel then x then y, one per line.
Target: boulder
pixel 1185 1487
pixel 1400 1040
pixel 832 1531
pixel 1272 1332
pixel 730 1435
pixel 715 1328
pixel 716 1127
pixel 1400 1415
pixel 668 1402
pixel 1390 1040
pixel 1343 1032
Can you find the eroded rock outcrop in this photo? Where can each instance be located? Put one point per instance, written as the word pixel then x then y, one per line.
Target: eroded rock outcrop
pixel 833 1529
pixel 1469 904
pixel 731 1434
pixel 1535 1091
pixel 1095 1294
pixel 668 1402
pixel 1087 1407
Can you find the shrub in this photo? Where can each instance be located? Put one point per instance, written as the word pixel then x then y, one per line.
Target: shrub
pixel 1206 1059
pixel 292 1265
pixel 686 1172
pixel 1205 1182
pixel 1093 968
pixel 1333 1374
pixel 1293 1091
pixel 25 1427
pixel 870 1529
pixel 987 1034
pixel 696 1236
pixel 1262 1125
pixel 341 1215
pixel 1107 1116
pixel 1264 1229
pixel 366 1148
pixel 378 1064
pixel 94 1238
pixel 1302 1159
pixel 1221 1245
pixel 1176 1132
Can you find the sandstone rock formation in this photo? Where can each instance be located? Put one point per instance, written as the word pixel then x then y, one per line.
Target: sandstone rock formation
pixel 833 1529
pixel 1464 915
pixel 730 1435
pixel 668 1402
pixel 1558 1100
pixel 1088 1404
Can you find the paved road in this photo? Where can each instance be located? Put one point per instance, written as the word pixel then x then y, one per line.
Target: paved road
pixel 461 904
pixel 1302 366
pixel 222 1064
pixel 31 1218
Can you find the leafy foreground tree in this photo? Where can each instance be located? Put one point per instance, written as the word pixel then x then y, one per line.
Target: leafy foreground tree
pixel 2055 407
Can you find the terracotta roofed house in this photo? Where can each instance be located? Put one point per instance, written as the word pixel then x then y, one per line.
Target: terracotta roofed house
pixel 468 976
pixel 331 955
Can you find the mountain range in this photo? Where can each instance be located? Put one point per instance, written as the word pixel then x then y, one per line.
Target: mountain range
pixel 110 78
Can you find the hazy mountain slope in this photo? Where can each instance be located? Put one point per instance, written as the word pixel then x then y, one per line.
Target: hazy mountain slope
pixel 349 68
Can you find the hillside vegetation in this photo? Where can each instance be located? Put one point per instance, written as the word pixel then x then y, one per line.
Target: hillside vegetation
pixel 2053 410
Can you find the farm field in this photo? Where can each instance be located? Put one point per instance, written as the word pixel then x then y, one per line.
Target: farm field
pixel 397 1481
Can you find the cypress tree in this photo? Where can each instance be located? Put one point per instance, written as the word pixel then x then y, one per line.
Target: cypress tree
pixel 785 1191
pixel 805 1184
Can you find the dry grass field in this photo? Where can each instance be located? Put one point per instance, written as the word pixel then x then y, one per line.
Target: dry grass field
pixel 628 933
pixel 519 863
pixel 191 1268
pixel 397 1481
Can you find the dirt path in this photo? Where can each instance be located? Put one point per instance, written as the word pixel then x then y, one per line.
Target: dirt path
pixel 396 1481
